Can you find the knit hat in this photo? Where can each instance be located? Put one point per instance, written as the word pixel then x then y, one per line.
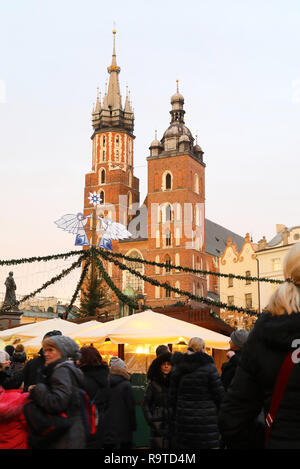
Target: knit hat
pixel 239 337
pixel 67 346
pixel 52 333
pixel 4 356
pixel 117 362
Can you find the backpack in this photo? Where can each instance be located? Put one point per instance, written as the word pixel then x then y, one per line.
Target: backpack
pixel 89 412
pixel 44 428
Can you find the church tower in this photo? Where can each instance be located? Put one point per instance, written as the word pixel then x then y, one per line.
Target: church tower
pixel 176 208
pixel 111 177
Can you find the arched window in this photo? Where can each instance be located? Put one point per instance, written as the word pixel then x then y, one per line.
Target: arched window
pixel 168 184
pixel 102 197
pixel 168 238
pixel 196 183
pixel 131 280
pixel 167 292
pixel 102 178
pixel 168 262
pixel 168 213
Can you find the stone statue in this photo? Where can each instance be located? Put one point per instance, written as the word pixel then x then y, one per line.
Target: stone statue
pixel 10 301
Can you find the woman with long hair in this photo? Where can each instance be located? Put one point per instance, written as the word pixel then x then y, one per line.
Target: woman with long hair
pixel 274 336
pixel 95 373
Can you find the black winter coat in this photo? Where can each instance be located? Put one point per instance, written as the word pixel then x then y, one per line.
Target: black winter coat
pixel 33 371
pixel 229 369
pixel 60 393
pixel 96 386
pixel 119 417
pixel 253 384
pixel 157 407
pixel 196 394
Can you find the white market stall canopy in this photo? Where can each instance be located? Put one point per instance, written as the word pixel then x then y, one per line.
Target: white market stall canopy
pixel 39 329
pixel 148 327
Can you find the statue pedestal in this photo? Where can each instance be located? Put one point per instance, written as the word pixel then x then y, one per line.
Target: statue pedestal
pixel 10 319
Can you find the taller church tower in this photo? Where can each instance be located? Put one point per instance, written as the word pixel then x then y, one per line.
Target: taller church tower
pixel 112 176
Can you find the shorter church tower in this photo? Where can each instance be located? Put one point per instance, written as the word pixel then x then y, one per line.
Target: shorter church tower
pixel 176 209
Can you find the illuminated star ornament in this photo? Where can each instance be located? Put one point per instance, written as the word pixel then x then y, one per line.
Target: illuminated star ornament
pixel 94 199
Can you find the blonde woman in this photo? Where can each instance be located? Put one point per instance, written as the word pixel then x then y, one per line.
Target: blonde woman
pixel 276 334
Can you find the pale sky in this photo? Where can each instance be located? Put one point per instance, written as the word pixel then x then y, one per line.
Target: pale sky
pixel 238 67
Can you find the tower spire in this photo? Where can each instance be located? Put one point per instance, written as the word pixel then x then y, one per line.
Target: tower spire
pixel 114 96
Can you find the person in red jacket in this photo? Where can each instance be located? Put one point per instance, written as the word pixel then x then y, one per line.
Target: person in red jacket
pixel 13 427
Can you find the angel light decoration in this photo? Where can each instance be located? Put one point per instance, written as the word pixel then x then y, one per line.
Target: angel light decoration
pixel 75 224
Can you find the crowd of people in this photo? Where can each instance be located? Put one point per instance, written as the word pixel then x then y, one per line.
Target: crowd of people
pixel 254 403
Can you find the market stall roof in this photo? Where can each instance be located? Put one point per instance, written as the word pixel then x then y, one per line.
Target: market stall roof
pixel 39 329
pixel 149 327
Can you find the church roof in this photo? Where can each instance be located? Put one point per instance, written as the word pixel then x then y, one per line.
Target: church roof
pixel 216 238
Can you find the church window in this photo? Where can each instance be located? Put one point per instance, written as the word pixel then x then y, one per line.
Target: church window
pixel 157 292
pixel 103 176
pixel 168 184
pixel 103 155
pixel 168 213
pixel 168 262
pixel 177 260
pixel 177 285
pixel 102 198
pixel 167 291
pixel 196 184
pixel 168 238
pixel 131 280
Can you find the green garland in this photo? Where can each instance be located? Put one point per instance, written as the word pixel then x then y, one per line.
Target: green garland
pixel 194 271
pixel 167 286
pixel 39 259
pixel 53 280
pixel 79 284
pixel 123 298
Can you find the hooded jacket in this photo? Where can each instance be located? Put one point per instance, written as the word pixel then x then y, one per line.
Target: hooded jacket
pixel 13 427
pixel 196 395
pixel 252 387
pixel 120 417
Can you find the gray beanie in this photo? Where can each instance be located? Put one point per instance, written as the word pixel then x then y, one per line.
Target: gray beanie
pixel 239 337
pixel 117 362
pixel 67 346
pixel 4 357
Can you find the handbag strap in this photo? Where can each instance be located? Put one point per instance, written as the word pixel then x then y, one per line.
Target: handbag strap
pixel 280 386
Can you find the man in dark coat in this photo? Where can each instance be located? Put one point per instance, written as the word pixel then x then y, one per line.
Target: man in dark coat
pixel 238 339
pixel 120 417
pixel 252 387
pixel 196 395
pixel 32 372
